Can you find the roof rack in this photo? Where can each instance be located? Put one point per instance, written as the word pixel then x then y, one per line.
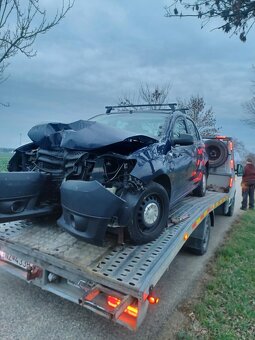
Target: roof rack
pixel 183 109
pixel 170 105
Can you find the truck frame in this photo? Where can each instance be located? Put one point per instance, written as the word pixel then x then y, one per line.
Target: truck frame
pixel 115 281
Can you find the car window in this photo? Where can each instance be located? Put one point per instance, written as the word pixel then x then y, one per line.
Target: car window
pixel 148 124
pixel 179 128
pixel 193 130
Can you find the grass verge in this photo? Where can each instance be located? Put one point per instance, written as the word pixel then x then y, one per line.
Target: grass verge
pixel 4 159
pixel 226 307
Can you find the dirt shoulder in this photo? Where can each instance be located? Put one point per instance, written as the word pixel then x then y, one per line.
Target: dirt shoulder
pixel 222 305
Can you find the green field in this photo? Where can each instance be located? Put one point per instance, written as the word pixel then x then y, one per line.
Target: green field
pixel 226 308
pixel 4 159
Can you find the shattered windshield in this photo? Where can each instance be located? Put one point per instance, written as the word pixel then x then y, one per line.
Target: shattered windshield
pixel 148 124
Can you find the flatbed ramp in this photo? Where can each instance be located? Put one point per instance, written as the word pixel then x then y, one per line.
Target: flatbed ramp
pixel 79 270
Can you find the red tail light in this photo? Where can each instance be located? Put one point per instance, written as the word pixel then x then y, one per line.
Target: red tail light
pixel 131 310
pixel 200 151
pixel 114 302
pixel 231 182
pixel 232 164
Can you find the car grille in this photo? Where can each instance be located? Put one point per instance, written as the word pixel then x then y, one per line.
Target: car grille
pixel 51 161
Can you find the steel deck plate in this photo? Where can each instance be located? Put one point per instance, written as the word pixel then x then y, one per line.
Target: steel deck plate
pixel 132 268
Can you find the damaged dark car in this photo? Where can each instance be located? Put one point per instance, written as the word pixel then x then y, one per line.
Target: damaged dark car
pixel 120 169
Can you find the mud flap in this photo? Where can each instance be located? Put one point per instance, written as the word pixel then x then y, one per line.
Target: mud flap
pixel 20 194
pixel 88 208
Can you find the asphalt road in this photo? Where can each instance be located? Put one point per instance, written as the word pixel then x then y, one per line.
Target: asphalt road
pixel 27 312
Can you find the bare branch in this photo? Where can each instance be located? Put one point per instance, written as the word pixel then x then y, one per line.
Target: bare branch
pixel 21 22
pixel 148 94
pixel 204 118
pixel 237 16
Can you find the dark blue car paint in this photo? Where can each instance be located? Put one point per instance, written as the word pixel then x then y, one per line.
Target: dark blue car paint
pixel 160 161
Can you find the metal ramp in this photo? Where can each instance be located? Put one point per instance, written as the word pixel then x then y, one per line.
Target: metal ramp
pixel 127 268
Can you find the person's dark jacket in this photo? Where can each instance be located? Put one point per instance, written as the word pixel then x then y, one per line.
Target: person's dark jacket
pixel 249 174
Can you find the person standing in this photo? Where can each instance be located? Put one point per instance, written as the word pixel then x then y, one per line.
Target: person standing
pixel 248 185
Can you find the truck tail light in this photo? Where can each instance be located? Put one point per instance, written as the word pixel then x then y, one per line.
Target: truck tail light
pixel 132 310
pixel 113 301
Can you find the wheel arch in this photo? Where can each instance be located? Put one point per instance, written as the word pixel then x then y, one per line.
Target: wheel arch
pixel 207 168
pixel 164 180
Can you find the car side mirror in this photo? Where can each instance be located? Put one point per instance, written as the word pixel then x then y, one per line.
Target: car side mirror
pixel 239 170
pixel 184 139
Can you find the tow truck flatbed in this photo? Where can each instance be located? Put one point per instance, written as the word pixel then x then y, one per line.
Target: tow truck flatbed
pixel 43 254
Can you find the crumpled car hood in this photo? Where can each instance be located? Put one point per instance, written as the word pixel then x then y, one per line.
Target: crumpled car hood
pixel 96 135
pixel 49 135
pixel 86 135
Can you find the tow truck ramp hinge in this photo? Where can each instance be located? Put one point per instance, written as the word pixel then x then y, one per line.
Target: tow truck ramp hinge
pixel 179 219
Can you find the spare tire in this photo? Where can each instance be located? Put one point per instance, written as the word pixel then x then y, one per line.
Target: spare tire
pixel 217 152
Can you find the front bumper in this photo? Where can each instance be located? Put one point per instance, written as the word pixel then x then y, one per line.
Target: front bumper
pixel 20 195
pixel 88 209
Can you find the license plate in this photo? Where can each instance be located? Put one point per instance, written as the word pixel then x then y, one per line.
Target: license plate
pixel 17 261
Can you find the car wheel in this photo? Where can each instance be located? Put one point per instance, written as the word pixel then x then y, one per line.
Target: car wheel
pixel 150 214
pixel 231 208
pixel 200 191
pixel 204 242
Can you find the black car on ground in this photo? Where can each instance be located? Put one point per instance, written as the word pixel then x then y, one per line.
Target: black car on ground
pixel 119 169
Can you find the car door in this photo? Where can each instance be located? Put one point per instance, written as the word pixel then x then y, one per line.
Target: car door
pixel 197 152
pixel 181 161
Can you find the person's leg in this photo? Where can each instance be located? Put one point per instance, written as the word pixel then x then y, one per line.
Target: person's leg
pixel 251 196
pixel 245 198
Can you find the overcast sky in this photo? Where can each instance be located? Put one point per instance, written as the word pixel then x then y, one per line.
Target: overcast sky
pixel 104 49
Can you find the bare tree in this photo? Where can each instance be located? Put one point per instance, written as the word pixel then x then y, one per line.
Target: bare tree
pixel 249 108
pixel 238 16
pixel 240 149
pixel 20 24
pixel 154 95
pixel 147 94
pixel 203 117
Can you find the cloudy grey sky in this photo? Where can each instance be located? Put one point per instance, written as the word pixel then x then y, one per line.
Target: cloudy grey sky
pixel 104 49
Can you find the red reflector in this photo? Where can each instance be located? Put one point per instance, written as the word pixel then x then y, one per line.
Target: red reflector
pixel 153 300
pixel 220 137
pixel 200 151
pixel 231 182
pixel 230 146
